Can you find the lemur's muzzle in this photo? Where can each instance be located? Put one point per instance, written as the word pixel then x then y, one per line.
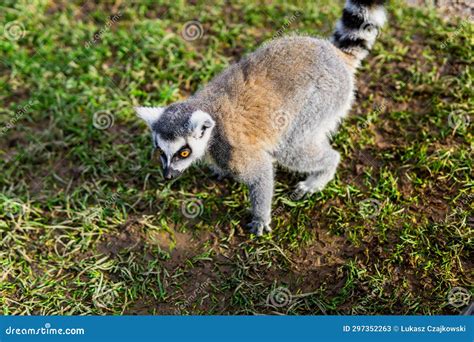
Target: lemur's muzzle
pixel 169 173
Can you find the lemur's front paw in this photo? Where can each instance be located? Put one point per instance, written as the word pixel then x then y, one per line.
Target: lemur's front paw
pixel 217 172
pixel 217 175
pixel 258 227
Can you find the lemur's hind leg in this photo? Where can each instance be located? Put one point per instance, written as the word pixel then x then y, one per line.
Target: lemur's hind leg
pixel 319 160
pixel 324 170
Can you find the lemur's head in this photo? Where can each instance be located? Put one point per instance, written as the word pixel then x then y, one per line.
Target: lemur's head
pixel 180 132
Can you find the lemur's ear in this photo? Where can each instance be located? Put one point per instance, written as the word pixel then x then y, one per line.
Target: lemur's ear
pixel 201 122
pixel 149 114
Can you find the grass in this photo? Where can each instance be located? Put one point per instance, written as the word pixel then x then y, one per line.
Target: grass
pixel 88 226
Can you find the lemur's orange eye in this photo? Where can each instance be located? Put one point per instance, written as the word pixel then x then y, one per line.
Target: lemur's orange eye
pixel 184 153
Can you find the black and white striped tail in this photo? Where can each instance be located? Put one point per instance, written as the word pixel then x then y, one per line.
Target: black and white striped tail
pixel 358 28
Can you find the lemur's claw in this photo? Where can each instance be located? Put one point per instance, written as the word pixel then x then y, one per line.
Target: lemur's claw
pixel 301 191
pixel 258 227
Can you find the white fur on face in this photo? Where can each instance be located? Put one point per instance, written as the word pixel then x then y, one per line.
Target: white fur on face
pixel 203 125
pixel 169 147
pixel 198 146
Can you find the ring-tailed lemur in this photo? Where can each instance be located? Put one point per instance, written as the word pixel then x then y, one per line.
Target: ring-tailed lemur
pixel 280 104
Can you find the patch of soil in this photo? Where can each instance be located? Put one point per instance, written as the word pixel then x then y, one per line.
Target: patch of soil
pixel 131 237
pixel 318 265
pixel 181 246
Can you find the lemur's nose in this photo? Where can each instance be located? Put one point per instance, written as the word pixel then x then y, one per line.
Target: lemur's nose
pixel 169 173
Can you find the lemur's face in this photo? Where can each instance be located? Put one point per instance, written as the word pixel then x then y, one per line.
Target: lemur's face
pixel 180 135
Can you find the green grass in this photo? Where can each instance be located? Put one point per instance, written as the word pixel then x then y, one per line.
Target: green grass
pixel 88 226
